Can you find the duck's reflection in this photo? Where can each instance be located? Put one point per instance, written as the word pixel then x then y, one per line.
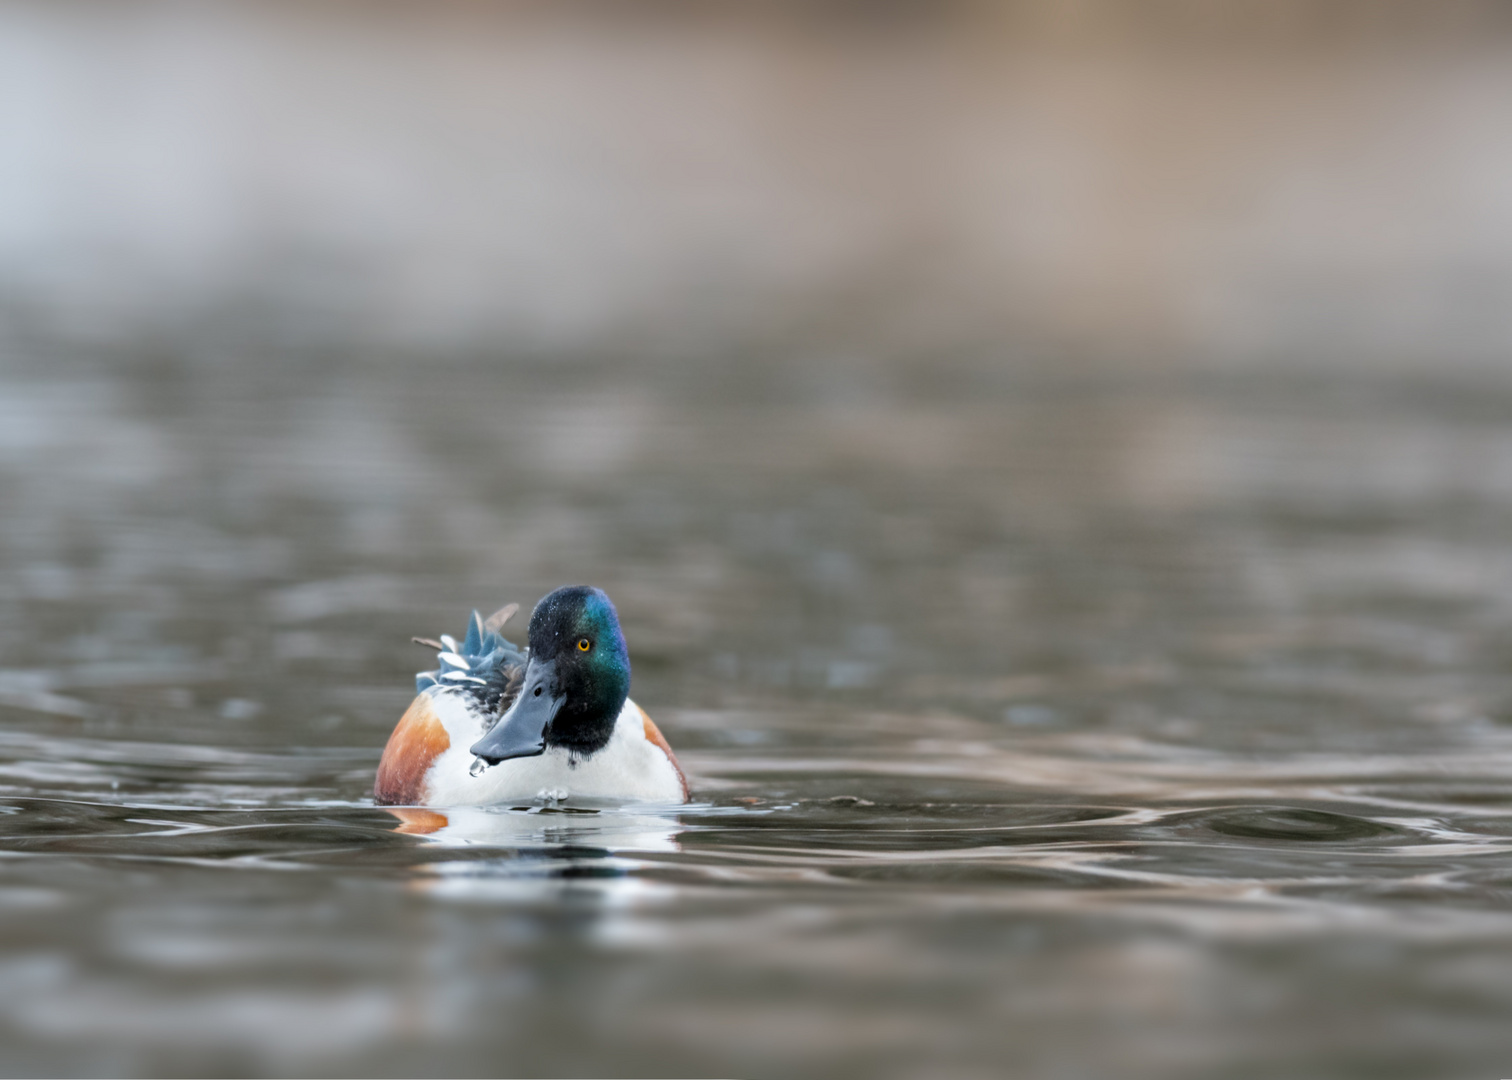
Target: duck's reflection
pixel 539 849
pixel 417 822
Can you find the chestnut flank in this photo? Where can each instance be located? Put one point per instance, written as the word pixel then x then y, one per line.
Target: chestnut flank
pixel 417 741
pixel 656 738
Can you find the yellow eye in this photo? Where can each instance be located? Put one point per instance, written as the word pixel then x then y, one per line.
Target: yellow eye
pixel 584 644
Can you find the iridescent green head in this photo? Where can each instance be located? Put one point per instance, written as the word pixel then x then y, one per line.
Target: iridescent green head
pixel 575 683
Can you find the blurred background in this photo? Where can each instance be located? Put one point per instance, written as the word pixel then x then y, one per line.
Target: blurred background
pixel 1053 460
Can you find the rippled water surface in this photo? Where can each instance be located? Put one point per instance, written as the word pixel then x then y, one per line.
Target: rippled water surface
pixel 1149 725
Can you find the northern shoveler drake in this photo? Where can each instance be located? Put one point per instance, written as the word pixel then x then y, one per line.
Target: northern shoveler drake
pixel 499 724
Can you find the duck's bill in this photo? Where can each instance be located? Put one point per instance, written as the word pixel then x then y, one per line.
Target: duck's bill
pixel 521 732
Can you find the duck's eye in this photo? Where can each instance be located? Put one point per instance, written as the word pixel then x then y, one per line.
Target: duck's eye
pixel 584 644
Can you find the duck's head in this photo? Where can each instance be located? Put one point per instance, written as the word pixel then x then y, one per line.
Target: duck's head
pixel 575 682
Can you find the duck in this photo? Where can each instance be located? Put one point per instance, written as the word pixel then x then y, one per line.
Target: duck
pixel 553 721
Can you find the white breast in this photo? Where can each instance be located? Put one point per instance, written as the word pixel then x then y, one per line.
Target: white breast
pixel 630 767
